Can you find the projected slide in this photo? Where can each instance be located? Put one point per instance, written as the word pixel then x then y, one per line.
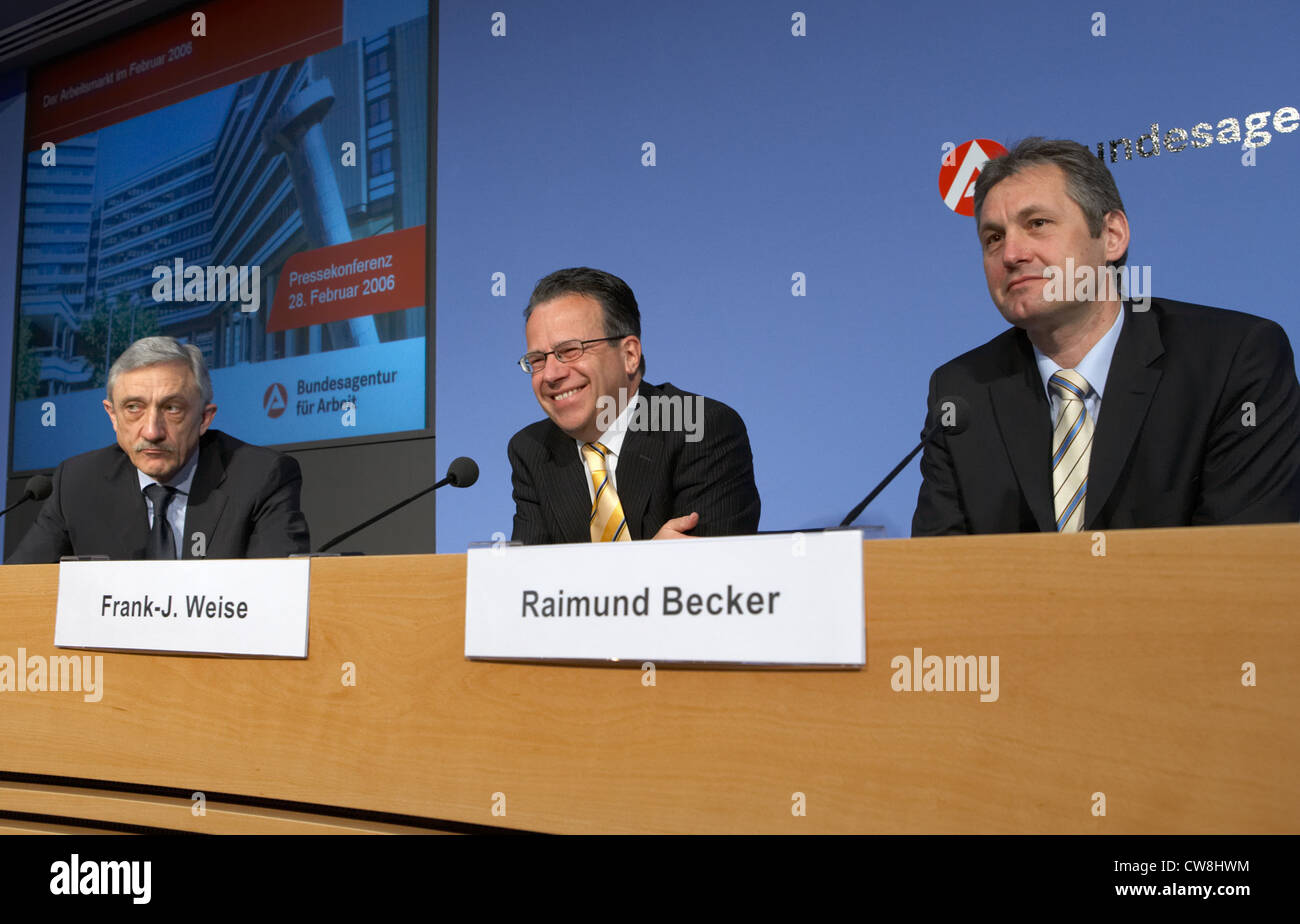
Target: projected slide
pixel 251 179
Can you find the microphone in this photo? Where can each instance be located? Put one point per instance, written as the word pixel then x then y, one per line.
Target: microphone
pixel 461 473
pixel 38 488
pixel 952 415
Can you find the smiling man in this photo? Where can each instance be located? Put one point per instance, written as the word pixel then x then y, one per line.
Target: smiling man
pixel 598 469
pixel 1093 412
pixel 218 497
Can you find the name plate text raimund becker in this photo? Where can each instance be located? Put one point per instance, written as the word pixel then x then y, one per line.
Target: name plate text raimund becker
pixel 791 599
pixel 251 608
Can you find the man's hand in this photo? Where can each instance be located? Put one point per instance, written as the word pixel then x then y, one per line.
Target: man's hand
pixel 679 527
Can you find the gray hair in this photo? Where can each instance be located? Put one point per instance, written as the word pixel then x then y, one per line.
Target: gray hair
pixel 1087 179
pixel 150 351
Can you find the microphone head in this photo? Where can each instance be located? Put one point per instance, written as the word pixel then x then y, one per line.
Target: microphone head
pixel 952 412
pixel 38 487
pixel 462 472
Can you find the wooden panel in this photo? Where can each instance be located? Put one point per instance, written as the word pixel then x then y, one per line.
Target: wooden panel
pixel 10 826
pixel 1119 674
pixel 175 814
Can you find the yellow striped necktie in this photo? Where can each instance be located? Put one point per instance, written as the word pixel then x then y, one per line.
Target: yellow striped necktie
pixel 1071 448
pixel 607 521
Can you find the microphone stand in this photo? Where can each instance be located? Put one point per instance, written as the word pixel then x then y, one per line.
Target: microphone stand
pixel 398 506
pixel 853 514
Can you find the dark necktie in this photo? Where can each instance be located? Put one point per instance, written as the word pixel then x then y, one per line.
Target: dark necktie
pixel 162 547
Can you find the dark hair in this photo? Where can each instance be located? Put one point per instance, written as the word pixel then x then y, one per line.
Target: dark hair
pixel 621 317
pixel 1087 180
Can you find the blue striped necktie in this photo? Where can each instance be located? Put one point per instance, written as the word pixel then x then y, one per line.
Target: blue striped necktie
pixel 1071 447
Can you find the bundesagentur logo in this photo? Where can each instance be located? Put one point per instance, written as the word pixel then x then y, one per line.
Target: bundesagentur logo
pixel 960 168
pixel 350 385
pixel 275 401
pixel 1203 134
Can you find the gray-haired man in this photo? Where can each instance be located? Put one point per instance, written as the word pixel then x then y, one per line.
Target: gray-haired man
pixel 219 497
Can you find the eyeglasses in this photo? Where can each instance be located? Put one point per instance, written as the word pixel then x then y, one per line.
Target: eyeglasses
pixel 565 352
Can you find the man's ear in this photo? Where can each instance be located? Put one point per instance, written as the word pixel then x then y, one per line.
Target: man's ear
pixel 1116 234
pixel 631 347
pixel 208 413
pixel 108 409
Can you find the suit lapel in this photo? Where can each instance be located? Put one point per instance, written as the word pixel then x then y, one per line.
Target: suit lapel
pixel 638 465
pixel 1025 422
pixel 564 485
pixel 635 477
pixel 207 500
pixel 1130 385
pixel 127 517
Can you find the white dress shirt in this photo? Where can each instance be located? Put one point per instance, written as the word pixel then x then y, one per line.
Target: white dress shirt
pixel 612 440
pixel 1094 367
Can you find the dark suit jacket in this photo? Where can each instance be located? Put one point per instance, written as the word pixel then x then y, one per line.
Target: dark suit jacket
pixel 659 476
pixel 244 499
pixel 1199 424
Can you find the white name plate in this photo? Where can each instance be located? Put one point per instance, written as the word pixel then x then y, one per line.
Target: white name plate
pixel 792 599
pixel 231 607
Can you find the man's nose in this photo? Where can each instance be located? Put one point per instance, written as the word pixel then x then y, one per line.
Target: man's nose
pixel 554 370
pixel 154 429
pixel 1015 249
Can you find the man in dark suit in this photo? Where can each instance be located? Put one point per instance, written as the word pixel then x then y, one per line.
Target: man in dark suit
pixel 617 458
pixel 219 497
pixel 1095 412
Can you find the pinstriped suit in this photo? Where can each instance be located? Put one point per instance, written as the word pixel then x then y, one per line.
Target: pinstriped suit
pixel 660 476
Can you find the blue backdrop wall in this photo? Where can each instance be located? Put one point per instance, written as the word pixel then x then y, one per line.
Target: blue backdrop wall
pixel 777 153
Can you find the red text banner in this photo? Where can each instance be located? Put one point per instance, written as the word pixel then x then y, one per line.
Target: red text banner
pixel 369 276
pixel 169 61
